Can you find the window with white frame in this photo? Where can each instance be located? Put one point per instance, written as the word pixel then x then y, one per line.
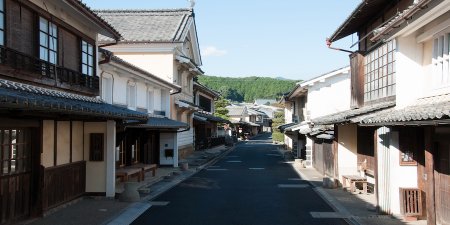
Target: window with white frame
pixel 150 102
pixel 48 41
pixel 87 58
pixel 107 89
pixel 379 72
pixel 131 95
pixel 440 61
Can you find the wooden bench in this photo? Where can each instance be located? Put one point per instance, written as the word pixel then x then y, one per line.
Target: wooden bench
pixel 145 167
pixel 353 180
pixel 126 172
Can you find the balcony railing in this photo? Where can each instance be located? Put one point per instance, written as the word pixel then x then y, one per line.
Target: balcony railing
pixel 36 67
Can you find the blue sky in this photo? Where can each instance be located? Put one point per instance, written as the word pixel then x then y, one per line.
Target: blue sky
pixel 284 38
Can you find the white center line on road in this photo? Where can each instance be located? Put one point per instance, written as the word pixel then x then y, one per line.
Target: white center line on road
pixel 256 168
pixel 295 179
pixel 216 169
pixel 235 161
pixel 155 203
pixel 293 185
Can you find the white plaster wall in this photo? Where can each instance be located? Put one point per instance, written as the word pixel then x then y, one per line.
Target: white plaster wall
pixel 77 141
pixel 120 90
pixel 288 141
pixel 166 142
pixel 335 91
pixel 288 112
pixel 63 142
pixel 157 99
pixel 409 76
pixel 95 171
pixel 401 176
pixel 141 95
pixel 347 150
pixel 186 138
pixel 48 131
pixel 159 64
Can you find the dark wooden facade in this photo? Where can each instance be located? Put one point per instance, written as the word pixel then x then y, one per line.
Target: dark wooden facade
pixel 325 157
pixel 19 56
pixel 27 188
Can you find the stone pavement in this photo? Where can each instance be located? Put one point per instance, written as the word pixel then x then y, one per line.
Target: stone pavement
pixel 101 210
pixel 356 208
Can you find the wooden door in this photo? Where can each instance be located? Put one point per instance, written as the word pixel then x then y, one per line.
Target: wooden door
pixel 318 156
pixel 16 173
pixel 442 180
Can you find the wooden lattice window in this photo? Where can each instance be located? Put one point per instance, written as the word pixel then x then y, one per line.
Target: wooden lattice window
pixel 15 151
pixel 379 72
pixel 96 147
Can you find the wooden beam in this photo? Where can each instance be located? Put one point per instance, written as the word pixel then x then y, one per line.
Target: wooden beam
pixel 55 142
pixel 429 172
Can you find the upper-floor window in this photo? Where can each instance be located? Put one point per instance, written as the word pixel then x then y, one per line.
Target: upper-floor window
pixel 48 41
pixel 379 72
pixel 131 95
pixel 87 58
pixel 205 103
pixel 150 101
pixel 107 89
pixel 440 61
pixel 2 22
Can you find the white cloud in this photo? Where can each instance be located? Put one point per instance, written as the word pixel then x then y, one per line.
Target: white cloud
pixel 213 51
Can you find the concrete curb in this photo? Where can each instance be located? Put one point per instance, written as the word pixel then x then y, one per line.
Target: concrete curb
pixel 132 212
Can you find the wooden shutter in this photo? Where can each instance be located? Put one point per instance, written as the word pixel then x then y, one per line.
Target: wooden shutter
pixel 96 147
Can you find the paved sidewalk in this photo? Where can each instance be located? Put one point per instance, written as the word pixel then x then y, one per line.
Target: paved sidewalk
pixel 357 208
pixel 101 210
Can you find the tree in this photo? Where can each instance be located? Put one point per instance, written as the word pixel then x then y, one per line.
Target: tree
pixel 277 121
pixel 221 110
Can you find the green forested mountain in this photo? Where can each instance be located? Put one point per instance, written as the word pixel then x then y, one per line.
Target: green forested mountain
pixel 247 89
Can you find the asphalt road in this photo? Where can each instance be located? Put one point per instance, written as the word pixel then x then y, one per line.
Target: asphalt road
pixel 250 186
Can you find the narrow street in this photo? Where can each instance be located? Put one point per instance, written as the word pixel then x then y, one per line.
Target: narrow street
pixel 252 185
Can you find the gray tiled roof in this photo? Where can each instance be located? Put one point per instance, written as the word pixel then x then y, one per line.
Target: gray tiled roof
pixel 211 118
pixel 236 111
pixel 32 98
pixel 429 108
pixel 161 123
pixel 283 127
pixel 148 25
pixel 353 115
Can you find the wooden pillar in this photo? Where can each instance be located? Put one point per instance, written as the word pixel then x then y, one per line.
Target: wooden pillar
pixel 429 172
pixel 375 149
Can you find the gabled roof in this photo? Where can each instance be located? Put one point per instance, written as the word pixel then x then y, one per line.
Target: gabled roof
pixel 263 101
pixel 364 12
pixel 144 26
pixel 435 108
pixel 236 110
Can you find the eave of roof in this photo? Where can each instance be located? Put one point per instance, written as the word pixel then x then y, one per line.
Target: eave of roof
pixel 78 4
pixel 14 95
pixel 353 115
pixel 202 87
pixel 160 123
pixel 429 110
pixel 365 11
